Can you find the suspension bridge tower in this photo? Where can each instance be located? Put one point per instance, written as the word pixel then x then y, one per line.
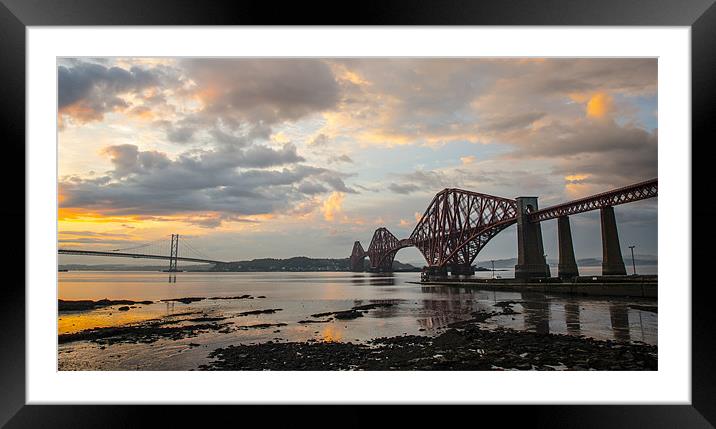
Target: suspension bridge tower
pixel 173 253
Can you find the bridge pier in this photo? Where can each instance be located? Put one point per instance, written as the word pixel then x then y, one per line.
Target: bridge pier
pixel 433 273
pixel 567 267
pixel 531 262
pixel 612 260
pixel 357 264
pixel 461 270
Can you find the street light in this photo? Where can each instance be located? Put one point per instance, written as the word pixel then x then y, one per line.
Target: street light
pixel 633 264
pixel 493 268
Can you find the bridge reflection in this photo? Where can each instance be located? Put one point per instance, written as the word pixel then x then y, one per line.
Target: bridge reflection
pixel 536 312
pixel 571 316
pixel 373 279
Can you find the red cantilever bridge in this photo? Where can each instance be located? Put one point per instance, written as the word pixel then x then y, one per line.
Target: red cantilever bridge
pixel 458 224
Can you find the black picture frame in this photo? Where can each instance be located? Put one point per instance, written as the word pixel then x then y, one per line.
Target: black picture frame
pixel 16 15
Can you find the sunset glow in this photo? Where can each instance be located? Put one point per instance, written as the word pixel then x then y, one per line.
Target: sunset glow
pixel 243 154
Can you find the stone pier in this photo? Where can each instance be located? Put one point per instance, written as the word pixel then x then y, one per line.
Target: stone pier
pixel 461 270
pixel 567 267
pixel 531 261
pixel 430 273
pixel 612 260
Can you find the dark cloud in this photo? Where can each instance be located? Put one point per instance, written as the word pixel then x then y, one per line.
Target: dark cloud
pixel 310 188
pixel 262 90
pixel 87 90
pixel 227 182
pixel 127 159
pixel 511 122
pixel 604 151
pixel 404 188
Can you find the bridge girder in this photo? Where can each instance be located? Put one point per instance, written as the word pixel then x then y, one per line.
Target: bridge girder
pixel 357 257
pixel 382 249
pixel 626 194
pixel 458 224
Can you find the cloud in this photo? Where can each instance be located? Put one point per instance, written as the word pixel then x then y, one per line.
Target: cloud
pixel 261 90
pixel 404 188
pixel 319 140
pixel 127 159
pixel 609 153
pixel 466 160
pixel 438 101
pixel 87 90
pixel 239 139
pixel 333 206
pixel 208 186
pixel 341 158
pixel 600 105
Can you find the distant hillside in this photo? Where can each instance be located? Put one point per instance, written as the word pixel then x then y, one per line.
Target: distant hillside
pixel 300 263
pixel 122 267
pixel 584 262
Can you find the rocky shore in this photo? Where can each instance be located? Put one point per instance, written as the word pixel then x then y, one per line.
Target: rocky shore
pixel 463 346
pixel 86 304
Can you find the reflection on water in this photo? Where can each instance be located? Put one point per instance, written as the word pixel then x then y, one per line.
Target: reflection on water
pixel 571 316
pixel 619 315
pixel 331 333
pixel 536 308
pixel 415 309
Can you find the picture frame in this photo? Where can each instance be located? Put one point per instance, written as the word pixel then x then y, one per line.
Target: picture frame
pixel 16 16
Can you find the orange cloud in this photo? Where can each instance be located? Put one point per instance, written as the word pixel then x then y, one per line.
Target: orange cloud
pixel 79 112
pixel 600 105
pixel 467 159
pixel 142 112
pixel 576 178
pixel 576 187
pixel 333 205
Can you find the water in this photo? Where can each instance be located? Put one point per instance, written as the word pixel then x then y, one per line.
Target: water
pixel 417 310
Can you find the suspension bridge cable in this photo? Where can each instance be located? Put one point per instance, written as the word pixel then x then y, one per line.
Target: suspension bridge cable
pixel 140 246
pixel 196 252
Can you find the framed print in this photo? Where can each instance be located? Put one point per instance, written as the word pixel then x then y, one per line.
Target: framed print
pixel 416 204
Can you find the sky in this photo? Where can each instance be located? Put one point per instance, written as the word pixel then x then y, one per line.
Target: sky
pixel 251 158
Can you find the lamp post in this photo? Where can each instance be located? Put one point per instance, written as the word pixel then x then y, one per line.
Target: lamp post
pixel 493 268
pixel 633 264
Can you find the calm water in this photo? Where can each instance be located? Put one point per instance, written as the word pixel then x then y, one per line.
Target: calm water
pixel 418 310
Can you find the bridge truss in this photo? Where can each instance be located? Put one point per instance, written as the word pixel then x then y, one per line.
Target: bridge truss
pixel 458 224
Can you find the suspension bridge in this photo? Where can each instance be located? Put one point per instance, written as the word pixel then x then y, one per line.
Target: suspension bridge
pixel 173 250
pixel 458 224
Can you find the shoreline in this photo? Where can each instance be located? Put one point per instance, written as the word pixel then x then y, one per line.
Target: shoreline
pixel 638 287
pixel 463 345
